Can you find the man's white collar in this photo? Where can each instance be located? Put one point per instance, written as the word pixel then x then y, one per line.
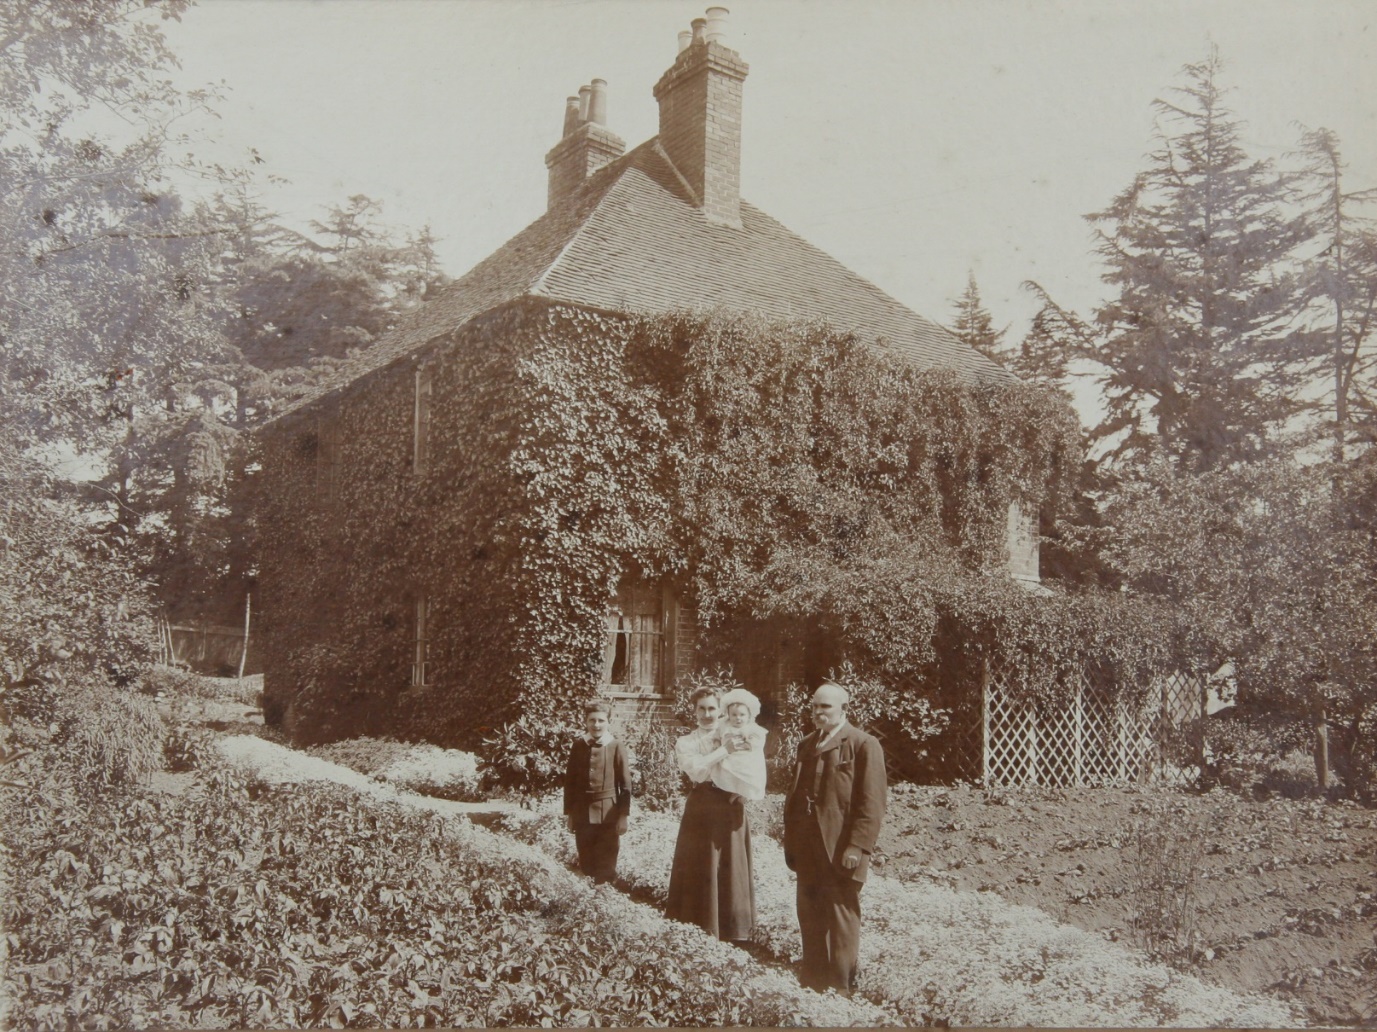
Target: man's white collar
pixel 604 739
pixel 827 738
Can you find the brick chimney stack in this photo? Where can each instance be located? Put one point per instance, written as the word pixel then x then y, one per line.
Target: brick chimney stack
pixel 587 144
pixel 700 117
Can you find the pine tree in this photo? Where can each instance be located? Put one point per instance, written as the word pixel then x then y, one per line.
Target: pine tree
pixel 973 325
pixel 1198 339
pixel 1340 289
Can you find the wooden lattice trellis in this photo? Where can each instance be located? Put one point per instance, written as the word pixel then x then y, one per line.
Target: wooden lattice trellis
pixel 1092 737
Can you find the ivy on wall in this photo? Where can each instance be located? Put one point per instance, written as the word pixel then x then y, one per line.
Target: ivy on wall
pixel 767 470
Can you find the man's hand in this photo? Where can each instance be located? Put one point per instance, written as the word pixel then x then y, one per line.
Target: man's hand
pixel 851 858
pixel 621 825
pixel 569 820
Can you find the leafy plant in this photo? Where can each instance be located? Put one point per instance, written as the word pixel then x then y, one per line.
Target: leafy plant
pixel 902 719
pixel 656 781
pixel 115 736
pixel 1167 850
pixel 528 754
pixel 256 905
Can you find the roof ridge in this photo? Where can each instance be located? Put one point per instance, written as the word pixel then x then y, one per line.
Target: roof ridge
pixel 954 345
pixel 626 161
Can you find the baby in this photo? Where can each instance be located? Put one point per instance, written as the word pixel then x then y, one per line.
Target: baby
pixel 743 772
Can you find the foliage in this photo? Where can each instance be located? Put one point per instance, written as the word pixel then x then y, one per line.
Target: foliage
pixel 444 773
pixel 527 754
pixel 1262 561
pixel 1167 850
pixel 254 906
pixel 71 612
pixel 656 781
pixel 1339 289
pixel 115 737
pixel 903 720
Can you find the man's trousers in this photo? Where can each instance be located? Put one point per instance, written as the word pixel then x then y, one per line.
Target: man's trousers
pixel 829 916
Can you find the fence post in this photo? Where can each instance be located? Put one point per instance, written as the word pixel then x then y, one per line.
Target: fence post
pixel 1079 771
pixel 985 722
pixel 244 653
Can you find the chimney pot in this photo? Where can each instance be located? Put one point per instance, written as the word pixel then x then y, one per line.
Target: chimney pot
pixel 597 102
pixel 571 115
pixel 717 24
pixel 584 93
pixel 685 38
pixel 699 25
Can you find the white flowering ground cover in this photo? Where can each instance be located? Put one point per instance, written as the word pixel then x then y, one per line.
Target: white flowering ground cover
pixel 617 916
pixel 933 954
pixel 430 770
pixel 277 764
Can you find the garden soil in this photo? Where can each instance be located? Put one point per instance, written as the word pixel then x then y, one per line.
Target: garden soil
pixel 1282 892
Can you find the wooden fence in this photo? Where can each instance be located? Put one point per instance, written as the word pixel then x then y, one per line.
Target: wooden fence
pixel 206 648
pixel 1093 737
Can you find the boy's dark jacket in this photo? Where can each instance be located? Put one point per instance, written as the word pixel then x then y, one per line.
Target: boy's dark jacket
pixel 609 802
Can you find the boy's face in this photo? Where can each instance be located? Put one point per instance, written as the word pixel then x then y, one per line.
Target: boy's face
pixel 737 715
pixel 595 722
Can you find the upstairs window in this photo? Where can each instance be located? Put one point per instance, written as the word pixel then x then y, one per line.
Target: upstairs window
pixel 420 439
pixel 420 654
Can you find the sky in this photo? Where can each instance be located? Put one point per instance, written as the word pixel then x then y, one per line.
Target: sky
pixel 914 140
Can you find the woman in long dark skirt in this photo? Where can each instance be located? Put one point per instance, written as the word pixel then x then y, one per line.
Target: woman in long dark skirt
pixel 711 884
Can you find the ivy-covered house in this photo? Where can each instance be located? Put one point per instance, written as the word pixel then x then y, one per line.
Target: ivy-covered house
pixel 550 480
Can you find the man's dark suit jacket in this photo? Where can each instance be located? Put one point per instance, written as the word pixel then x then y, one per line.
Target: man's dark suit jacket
pixel 609 798
pixel 846 785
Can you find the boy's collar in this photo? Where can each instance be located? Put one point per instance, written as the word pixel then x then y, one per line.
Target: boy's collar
pixel 604 739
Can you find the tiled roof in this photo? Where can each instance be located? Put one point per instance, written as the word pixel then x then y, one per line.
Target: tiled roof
pixel 631 240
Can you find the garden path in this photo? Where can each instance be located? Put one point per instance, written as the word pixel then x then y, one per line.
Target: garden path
pixel 280 765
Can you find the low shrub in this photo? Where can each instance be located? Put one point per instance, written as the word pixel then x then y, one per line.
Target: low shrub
pixel 187 746
pixel 1246 750
pixel 251 905
pixel 1167 848
pixel 366 755
pixel 527 755
pixel 902 719
pixel 114 736
pixel 933 955
pixel 656 781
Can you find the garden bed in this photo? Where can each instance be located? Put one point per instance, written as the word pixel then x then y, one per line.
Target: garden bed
pixel 935 955
pixel 248 902
pixel 1284 898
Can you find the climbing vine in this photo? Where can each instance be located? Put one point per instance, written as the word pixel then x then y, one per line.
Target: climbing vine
pixel 765 470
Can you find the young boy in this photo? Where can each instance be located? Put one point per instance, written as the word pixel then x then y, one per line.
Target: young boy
pixel 742 773
pixel 597 794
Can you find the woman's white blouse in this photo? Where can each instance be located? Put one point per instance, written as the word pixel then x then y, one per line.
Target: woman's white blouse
pixel 696 754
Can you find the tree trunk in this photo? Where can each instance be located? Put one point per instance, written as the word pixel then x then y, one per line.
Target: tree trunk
pixel 1321 746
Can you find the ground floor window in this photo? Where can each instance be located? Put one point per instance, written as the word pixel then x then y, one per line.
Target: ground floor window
pixel 634 648
pixel 420 661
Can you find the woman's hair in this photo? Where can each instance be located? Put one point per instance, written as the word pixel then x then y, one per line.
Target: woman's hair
pixel 598 706
pixel 702 693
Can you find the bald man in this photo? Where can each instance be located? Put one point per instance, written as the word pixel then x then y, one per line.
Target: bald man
pixel 831 821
